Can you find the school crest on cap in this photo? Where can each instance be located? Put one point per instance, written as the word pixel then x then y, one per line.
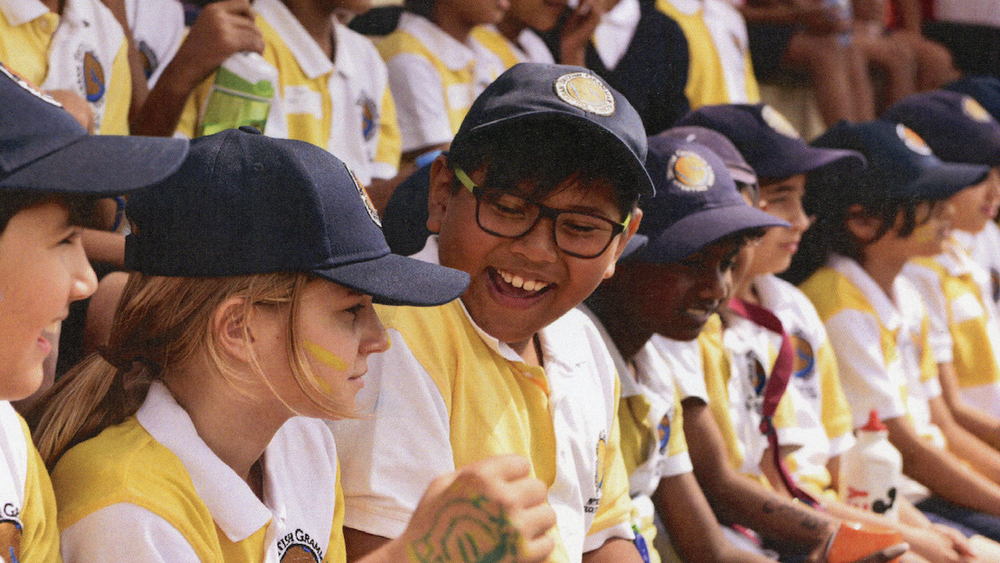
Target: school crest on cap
pixel 912 141
pixel 690 172
pixel 367 201
pixel 23 83
pixel 973 110
pixel 776 121
pixel 585 91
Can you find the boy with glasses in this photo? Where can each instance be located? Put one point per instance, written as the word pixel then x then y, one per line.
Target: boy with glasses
pixel 536 201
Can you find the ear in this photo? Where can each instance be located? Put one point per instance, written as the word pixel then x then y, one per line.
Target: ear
pixel 863 226
pixel 633 226
pixel 439 194
pixel 228 323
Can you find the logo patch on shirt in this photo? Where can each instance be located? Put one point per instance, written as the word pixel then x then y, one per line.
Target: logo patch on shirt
pixel 150 62
pixel 602 450
pixel 10 534
pixel 299 547
pixel 912 141
pixel 92 77
pixel 805 359
pixel 369 117
pixel 31 88
pixel 586 92
pixel 778 122
pixel 663 432
pixel 690 172
pixel 975 111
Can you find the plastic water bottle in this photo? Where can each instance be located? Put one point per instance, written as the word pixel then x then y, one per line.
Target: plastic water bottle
pixel 241 95
pixel 871 471
pixel 845 13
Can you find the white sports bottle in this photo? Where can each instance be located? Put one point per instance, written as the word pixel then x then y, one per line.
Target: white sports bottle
pixel 871 471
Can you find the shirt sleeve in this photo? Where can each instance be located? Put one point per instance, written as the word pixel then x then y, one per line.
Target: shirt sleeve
pixel 390 143
pixel 38 514
pixel 391 453
pixel 420 105
pixel 834 411
pixel 125 532
pixel 614 516
pixel 928 283
pixel 857 341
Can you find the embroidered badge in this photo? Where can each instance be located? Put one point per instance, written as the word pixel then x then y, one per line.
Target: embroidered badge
pixel 912 141
pixel 369 117
pixel 690 172
pixel 804 357
pixel 663 432
pixel 23 83
pixel 369 206
pixel 10 534
pixel 585 91
pixel 299 547
pixel 92 77
pixel 778 122
pixel 602 450
pixel 975 111
pixel 150 62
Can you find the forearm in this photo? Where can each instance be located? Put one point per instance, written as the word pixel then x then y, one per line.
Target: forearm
pixel 614 551
pixel 164 105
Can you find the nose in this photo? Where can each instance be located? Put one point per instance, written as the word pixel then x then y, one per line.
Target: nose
pixel 84 280
pixel 799 220
pixel 537 245
pixel 715 283
pixel 375 339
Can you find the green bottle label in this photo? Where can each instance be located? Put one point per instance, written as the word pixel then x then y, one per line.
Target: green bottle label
pixel 233 102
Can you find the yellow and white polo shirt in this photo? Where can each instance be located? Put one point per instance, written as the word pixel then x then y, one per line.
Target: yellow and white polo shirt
pixel 720 71
pixel 984 247
pixel 652 427
pixel 150 489
pixel 964 323
pixel 343 105
pixel 83 51
pixel 447 394
pixel 28 528
pixel 821 409
pixel 881 344
pixel 434 79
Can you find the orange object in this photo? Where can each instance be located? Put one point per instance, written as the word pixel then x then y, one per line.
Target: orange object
pixel 853 541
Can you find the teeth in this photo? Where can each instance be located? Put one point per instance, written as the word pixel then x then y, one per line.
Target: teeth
pixel 521 283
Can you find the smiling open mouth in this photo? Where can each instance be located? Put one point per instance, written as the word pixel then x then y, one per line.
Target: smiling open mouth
pixel 514 285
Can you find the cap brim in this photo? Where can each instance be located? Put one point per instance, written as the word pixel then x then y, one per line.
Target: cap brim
pixel 101 165
pixel 799 158
pixel 398 280
pixel 645 187
pixel 947 179
pixel 694 232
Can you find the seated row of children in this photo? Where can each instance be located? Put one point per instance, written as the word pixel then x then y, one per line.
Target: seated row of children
pixel 492 429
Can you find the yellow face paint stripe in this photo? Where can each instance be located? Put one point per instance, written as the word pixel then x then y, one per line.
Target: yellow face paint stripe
pixel 325 357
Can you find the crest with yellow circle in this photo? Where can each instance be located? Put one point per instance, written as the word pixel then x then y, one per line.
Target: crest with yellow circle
pixel 369 206
pixel 585 91
pixel 912 141
pixel 602 452
pixel 974 110
pixel 690 172
pixel 778 122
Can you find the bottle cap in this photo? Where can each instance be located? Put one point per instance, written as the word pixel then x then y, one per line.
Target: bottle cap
pixel 874 424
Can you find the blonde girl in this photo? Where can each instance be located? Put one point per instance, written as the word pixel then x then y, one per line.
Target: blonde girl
pixel 193 436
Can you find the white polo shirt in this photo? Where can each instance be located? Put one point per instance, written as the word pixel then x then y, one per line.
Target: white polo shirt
pixel 158 31
pixel 182 503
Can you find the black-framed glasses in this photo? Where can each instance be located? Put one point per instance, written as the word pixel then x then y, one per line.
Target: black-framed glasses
pixel 508 215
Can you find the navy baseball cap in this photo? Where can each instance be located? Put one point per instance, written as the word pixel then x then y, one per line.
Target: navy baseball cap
pixel 738 167
pixel 955 126
pixel 44 149
pixel 985 90
pixel 243 203
pixel 696 202
pixel 535 91
pixel 768 142
pixel 900 164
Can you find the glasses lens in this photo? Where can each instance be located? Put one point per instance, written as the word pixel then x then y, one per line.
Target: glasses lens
pixel 505 214
pixel 583 235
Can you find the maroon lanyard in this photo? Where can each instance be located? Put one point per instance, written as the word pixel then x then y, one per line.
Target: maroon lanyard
pixel 775 387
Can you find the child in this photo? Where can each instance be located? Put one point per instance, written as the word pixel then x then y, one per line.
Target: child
pixel 434 70
pixel 332 91
pixel 52 173
pixel 190 426
pixel 536 200
pixel 870 224
pixel 696 224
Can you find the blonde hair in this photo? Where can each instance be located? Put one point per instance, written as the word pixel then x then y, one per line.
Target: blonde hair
pixel 161 323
